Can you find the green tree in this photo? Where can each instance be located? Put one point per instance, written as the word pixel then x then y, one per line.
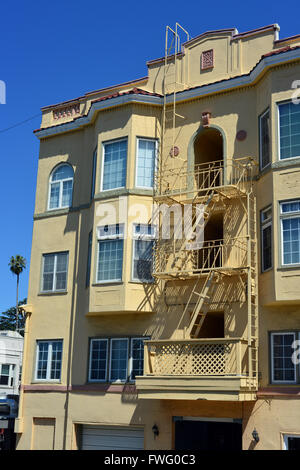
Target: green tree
pixel 17 265
pixel 8 318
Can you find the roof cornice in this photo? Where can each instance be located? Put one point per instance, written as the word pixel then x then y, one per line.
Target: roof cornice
pixel 274 58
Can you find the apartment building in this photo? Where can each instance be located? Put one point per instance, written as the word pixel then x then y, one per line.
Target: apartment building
pixel 11 355
pixel 163 304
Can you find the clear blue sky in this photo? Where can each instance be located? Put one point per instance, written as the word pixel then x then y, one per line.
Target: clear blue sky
pixel 58 50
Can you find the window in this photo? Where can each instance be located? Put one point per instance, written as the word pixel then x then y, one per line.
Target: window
pixel 89 258
pixel 110 253
pixel 143 244
pixel 7 374
pixel 146 160
pixel 290 232
pixel 283 368
pixel 98 360
pixel 116 359
pixel 264 139
pixel 61 187
pixel 136 358
pixel 291 442
pixel 266 239
pixel 289 130
pixel 55 269
pixel 114 165
pixel 48 360
pixel 94 173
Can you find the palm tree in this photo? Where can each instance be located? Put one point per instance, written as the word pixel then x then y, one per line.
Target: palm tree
pixel 17 265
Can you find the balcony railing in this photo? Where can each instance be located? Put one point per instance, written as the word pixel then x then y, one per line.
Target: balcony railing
pixel 171 259
pixel 182 181
pixel 196 357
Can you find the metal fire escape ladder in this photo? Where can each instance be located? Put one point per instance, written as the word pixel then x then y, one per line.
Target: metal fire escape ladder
pixel 252 289
pixel 171 85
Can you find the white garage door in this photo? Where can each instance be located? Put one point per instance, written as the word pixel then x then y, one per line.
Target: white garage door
pixel 111 438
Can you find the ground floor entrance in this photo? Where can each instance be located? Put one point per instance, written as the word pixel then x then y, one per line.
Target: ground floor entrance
pixel 207 434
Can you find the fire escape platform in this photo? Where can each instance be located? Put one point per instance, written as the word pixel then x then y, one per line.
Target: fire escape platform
pixel 195 369
pixel 194 388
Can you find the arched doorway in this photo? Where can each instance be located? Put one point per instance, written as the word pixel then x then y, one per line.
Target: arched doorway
pixel 208 163
pixel 208 158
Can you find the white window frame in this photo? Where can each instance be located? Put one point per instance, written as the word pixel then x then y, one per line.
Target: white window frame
pixel 111 234
pixel 49 360
pixel 155 163
pixel 278 131
pixel 106 340
pixel 285 437
pixel 296 336
pixel 283 216
pixel 60 182
pixel 130 362
pixel 89 259
pixel 54 272
pixel 102 165
pixel 145 237
pixel 110 359
pixel 263 225
pixel 109 342
pixel 94 171
pixel 11 375
pixel 267 111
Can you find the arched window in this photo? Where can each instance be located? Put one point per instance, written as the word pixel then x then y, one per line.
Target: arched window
pixel 61 187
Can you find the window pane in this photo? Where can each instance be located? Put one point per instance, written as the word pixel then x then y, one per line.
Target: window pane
pixel 54 195
pixel 145 163
pixel 289 117
pixel 110 260
pixel 265 139
pixel 98 360
pixel 142 263
pixel 67 193
pixel 137 351
pixel 56 360
pixel 43 348
pixel 267 248
pixel 114 167
pixel 119 358
pixel 62 172
pixel 48 273
pixel 283 368
pixel 291 240
pixel 61 271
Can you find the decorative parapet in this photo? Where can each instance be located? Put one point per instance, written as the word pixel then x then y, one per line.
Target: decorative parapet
pixel 67 111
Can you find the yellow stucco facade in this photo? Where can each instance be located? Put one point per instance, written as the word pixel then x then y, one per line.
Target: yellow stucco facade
pixel 247 74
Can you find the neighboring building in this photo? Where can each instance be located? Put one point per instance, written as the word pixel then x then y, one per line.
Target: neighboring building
pixel 11 355
pixel 216 125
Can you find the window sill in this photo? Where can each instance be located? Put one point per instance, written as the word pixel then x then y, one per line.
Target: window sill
pixel 287 162
pixel 56 292
pixel 107 283
pixel 288 267
pixel 267 270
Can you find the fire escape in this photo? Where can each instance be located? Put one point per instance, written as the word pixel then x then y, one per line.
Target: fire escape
pixel 199 267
